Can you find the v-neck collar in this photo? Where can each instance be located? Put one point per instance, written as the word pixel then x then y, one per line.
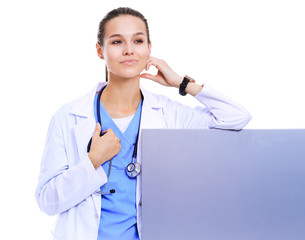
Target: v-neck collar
pixel 129 133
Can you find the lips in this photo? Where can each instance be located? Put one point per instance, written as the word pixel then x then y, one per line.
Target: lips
pixel 129 62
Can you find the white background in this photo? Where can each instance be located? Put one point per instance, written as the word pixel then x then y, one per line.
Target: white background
pixel 253 51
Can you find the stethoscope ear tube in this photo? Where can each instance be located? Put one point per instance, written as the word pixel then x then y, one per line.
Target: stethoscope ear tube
pixel 89 145
pixel 132 169
pixel 98 118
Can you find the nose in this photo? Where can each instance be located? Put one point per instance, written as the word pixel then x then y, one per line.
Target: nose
pixel 128 50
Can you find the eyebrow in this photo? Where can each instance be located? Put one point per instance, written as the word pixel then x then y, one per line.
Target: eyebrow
pixel 119 35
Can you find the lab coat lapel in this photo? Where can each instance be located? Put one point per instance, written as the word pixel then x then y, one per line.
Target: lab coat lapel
pixel 151 118
pixel 83 132
pixel 85 121
pixel 84 128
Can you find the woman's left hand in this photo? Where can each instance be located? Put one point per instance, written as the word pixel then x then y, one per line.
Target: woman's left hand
pixel 165 76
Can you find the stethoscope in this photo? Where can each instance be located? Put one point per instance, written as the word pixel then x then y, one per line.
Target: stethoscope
pixel 133 169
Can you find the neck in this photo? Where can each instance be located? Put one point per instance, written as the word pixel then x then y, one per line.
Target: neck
pixel 122 96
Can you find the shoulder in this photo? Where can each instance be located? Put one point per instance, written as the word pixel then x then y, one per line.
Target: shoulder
pixel 82 106
pixel 155 100
pixel 65 109
pixel 63 117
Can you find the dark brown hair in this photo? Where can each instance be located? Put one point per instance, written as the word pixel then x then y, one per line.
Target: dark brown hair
pixel 113 14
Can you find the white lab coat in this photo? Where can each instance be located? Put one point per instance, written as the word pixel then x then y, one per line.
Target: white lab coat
pixel 68 180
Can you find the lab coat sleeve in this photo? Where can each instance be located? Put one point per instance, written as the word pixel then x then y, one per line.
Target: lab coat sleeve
pixel 61 186
pixel 216 111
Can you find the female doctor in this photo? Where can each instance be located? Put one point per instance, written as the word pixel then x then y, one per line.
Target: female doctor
pixel 95 188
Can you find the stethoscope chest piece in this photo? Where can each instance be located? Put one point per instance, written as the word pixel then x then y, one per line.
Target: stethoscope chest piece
pixel 133 169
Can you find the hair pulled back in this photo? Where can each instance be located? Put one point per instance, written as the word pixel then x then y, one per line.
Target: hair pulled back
pixel 115 13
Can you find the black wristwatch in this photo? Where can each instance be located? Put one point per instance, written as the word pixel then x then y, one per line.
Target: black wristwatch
pixel 183 85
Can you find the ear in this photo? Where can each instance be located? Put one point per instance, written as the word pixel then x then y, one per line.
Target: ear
pixel 99 51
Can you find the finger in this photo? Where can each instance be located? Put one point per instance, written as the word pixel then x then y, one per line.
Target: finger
pixel 149 76
pixel 156 62
pixel 97 131
pixel 110 131
pixel 152 61
pixel 148 64
pixel 103 133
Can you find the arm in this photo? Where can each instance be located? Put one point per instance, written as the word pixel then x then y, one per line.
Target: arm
pixel 225 113
pixel 60 185
pixel 218 111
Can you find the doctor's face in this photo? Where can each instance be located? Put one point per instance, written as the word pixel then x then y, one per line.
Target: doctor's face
pixel 125 46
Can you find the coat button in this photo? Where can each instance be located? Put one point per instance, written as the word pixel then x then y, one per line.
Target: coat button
pixel 96 215
pixel 140 204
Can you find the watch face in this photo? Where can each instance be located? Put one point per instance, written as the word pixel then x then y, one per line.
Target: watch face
pixel 189 78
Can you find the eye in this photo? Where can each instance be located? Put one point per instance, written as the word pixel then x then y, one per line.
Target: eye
pixel 116 42
pixel 139 41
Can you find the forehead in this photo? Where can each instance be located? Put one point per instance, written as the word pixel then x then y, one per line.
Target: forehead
pixel 124 25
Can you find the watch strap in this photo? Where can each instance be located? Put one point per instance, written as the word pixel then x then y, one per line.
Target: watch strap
pixel 184 84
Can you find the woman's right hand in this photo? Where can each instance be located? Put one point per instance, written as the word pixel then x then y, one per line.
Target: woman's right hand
pixel 103 148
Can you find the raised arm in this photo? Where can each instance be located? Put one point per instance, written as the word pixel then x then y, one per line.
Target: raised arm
pixel 216 110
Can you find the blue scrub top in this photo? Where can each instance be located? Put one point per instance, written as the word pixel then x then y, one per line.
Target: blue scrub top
pixel 119 212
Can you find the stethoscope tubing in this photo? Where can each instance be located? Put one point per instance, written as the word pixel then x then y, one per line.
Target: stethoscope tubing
pixel 133 169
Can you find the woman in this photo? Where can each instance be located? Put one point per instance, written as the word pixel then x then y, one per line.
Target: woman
pixel 88 184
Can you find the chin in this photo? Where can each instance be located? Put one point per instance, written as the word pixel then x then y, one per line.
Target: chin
pixel 130 73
